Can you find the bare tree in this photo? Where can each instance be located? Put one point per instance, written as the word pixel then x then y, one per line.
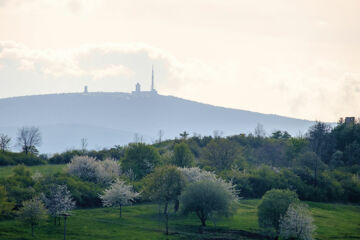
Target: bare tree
pixel 161 135
pixel 28 139
pixel 218 133
pixel 138 138
pixel 4 142
pixel 259 131
pixel 84 145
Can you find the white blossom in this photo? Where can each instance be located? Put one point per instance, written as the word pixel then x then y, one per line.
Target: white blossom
pixel 118 194
pixel 297 223
pixel 59 200
pixel 89 169
pixel 195 174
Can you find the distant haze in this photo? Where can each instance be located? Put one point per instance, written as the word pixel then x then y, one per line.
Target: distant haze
pixel 296 58
pixel 108 119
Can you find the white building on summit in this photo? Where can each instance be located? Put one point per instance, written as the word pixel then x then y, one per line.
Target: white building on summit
pixel 152 90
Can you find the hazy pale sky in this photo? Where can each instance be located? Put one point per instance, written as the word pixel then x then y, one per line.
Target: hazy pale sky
pixel 295 58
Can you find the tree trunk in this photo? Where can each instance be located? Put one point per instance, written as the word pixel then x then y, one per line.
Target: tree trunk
pixel 120 211
pixel 55 220
pixel 32 230
pixel 166 218
pixel 159 209
pixel 176 205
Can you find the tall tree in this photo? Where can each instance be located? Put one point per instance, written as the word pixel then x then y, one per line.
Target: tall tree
pixel 320 140
pixel 140 159
pixel 119 194
pixel 4 142
pixel 29 138
pixel 220 153
pixel 183 156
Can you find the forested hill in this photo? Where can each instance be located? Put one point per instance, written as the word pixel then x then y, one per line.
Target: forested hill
pixel 108 119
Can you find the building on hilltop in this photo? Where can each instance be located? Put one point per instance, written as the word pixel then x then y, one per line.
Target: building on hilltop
pixel 349 120
pixel 152 89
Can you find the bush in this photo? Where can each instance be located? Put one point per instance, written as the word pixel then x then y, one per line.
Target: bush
pixel 273 205
pixel 89 169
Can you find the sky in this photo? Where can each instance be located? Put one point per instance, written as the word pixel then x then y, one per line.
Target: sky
pixel 296 58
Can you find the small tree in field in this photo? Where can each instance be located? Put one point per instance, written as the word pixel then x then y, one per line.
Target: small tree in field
pixel 297 223
pixel 273 205
pixel 118 194
pixel 59 201
pixel 164 185
pixel 33 212
pixel 207 198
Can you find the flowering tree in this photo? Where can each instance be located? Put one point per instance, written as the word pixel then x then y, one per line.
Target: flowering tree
pixel 297 223
pixel 118 195
pixel 89 169
pixel 33 212
pixel 195 174
pixel 59 201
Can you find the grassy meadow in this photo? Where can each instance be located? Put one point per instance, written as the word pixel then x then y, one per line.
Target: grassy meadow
pixel 48 169
pixel 334 221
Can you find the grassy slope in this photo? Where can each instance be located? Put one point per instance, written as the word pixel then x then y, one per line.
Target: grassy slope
pixel 47 169
pixel 334 221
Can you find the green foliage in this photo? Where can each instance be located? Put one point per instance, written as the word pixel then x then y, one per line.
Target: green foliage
pixel 64 157
pixel 20 185
pixel 273 205
pixel 207 199
pixel 220 153
pixel 47 169
pixel 182 155
pixel 5 205
pixel 141 159
pixel 11 158
pixel 164 184
pixel 33 213
pixel 85 194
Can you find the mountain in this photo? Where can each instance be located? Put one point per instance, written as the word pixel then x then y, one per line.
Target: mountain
pixel 108 119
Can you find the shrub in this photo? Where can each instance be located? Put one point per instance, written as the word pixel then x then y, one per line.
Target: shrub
pixel 273 205
pixel 89 169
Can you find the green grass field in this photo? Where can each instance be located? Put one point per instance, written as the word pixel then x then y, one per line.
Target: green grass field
pixel 47 169
pixel 334 221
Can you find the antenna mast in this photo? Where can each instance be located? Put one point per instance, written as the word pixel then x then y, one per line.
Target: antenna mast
pixel 152 79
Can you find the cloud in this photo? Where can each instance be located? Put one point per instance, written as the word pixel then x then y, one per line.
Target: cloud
pixel 321 90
